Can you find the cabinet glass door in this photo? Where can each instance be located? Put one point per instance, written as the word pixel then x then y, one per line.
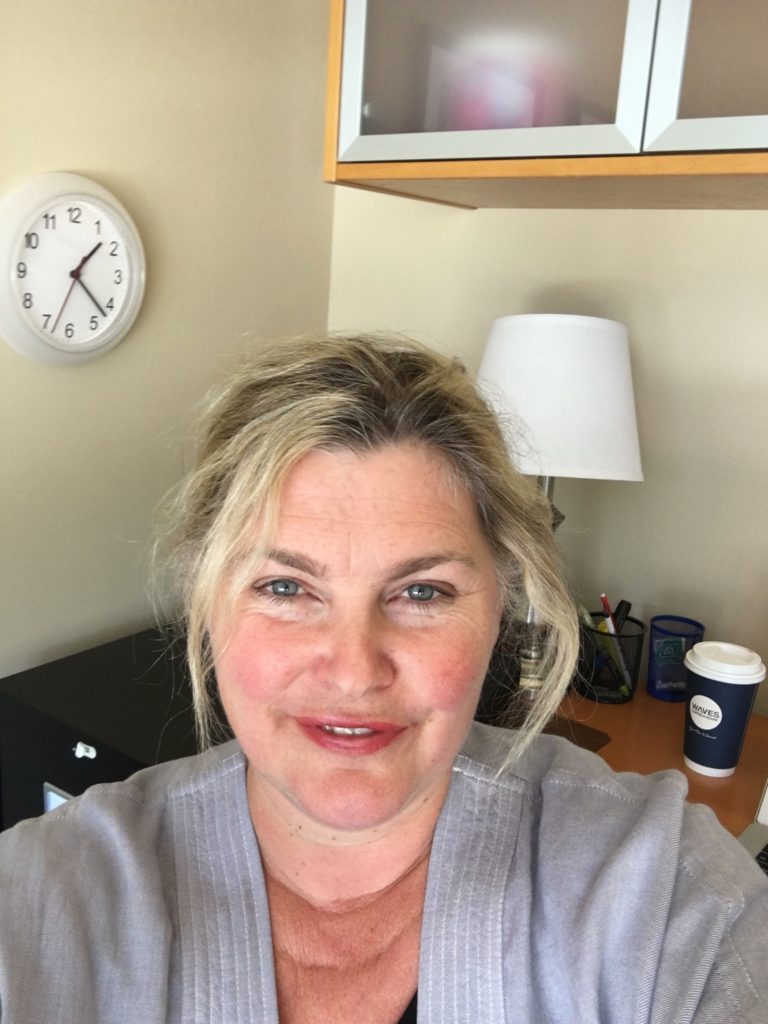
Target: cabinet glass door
pixel 443 79
pixel 709 88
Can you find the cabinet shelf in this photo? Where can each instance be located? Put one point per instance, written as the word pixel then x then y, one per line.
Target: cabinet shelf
pixel 647 181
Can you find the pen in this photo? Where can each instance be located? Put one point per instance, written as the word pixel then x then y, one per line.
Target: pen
pixel 608 612
pixel 610 626
pixel 620 613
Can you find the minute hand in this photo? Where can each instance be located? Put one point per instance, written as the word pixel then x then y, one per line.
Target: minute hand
pixel 87 291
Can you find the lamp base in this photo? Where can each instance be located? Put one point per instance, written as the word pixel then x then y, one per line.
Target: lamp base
pixel 530 656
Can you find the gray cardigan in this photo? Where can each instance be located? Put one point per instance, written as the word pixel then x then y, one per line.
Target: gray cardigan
pixel 558 893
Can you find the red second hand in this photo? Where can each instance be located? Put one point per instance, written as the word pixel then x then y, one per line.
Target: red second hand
pixel 66 300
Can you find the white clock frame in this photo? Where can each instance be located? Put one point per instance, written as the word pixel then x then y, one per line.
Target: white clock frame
pixel 20 211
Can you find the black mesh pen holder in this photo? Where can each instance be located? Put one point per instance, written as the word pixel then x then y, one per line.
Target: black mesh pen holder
pixel 609 665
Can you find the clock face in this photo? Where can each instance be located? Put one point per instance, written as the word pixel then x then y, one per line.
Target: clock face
pixel 76 273
pixel 71 269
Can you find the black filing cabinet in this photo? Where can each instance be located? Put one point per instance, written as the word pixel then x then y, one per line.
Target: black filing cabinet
pixel 96 716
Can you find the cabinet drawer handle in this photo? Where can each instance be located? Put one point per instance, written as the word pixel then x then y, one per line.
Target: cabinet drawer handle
pixel 84 750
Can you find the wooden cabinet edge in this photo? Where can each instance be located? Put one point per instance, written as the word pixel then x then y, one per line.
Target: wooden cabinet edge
pixel 333 90
pixel 642 165
pixel 647 181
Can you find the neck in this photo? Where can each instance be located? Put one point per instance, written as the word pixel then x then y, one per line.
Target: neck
pixel 330 868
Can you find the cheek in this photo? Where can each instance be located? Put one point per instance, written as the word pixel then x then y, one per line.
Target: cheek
pixel 455 674
pixel 251 667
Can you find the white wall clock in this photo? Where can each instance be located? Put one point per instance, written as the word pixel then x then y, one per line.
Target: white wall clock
pixel 71 269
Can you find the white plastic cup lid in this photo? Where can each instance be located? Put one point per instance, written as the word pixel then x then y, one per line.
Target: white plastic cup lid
pixel 727 663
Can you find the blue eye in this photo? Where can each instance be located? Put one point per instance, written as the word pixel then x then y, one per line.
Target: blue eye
pixel 283 588
pixel 421 592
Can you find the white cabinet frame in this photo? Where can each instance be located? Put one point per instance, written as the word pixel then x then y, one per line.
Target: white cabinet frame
pixel 623 136
pixel 665 132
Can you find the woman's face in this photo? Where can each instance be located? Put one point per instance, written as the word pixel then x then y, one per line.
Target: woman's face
pixel 352 665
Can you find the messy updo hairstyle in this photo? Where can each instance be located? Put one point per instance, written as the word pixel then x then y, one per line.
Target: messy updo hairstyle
pixel 358 394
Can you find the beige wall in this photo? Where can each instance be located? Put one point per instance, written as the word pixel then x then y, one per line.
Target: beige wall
pixel 691 539
pixel 205 118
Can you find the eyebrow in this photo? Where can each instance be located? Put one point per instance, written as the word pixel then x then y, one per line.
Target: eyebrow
pixel 295 561
pixel 423 563
pixel 420 563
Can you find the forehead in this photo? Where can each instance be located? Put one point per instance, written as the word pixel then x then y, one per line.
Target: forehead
pixel 400 483
pixel 404 494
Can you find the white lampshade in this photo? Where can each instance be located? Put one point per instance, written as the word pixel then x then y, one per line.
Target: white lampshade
pixel 563 388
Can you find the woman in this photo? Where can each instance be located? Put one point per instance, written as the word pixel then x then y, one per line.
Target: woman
pixel 350 549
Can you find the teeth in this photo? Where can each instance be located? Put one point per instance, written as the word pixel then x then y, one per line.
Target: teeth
pixel 343 730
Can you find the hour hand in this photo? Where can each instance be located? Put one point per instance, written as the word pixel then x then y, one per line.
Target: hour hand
pixel 76 272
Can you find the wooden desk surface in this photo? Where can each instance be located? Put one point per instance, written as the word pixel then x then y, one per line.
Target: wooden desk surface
pixel 647 735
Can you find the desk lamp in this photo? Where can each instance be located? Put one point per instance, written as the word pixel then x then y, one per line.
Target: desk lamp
pixel 562 386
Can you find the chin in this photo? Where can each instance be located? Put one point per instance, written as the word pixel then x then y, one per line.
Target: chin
pixel 351 806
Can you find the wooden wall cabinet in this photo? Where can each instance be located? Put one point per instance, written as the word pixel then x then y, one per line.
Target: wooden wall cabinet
pixel 644 103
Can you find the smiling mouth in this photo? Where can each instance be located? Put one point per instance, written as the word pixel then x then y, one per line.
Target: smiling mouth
pixel 348 739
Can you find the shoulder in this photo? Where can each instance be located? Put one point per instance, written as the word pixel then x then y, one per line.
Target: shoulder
pixel 619 860
pixel 93 883
pixel 576 812
pixel 554 771
pixel 572 794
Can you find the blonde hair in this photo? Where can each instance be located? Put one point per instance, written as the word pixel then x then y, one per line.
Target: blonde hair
pixel 355 393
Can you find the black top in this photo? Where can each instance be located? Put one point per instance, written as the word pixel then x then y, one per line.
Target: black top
pixel 409 1014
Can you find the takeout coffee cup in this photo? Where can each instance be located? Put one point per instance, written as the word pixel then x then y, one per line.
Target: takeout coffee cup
pixel 722 683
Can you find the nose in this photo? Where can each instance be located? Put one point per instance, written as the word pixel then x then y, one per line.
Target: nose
pixel 358 654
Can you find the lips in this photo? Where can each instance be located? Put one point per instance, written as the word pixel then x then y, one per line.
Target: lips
pixel 355 738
